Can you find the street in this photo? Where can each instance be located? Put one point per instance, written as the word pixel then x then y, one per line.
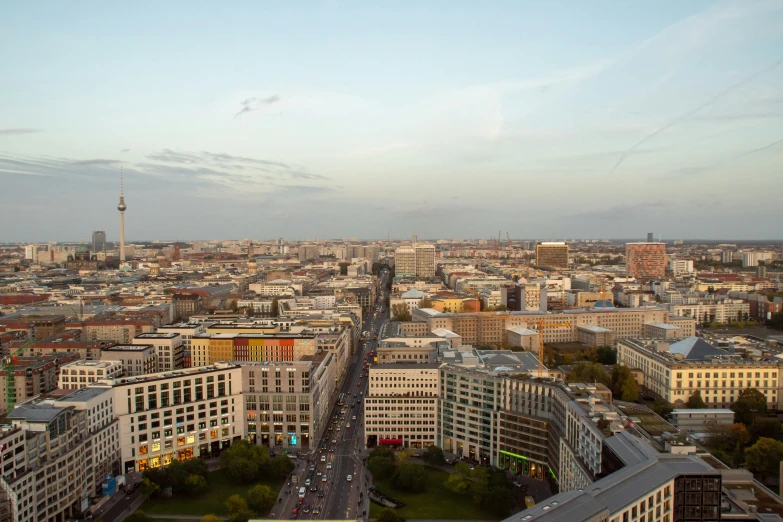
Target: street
pixel 330 494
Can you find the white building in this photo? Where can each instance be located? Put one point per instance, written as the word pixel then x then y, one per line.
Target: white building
pixel 276 287
pixel 79 374
pixel 681 266
pixel 168 346
pixel 401 406
pixel 185 330
pixel 425 260
pixel 752 258
pixel 405 260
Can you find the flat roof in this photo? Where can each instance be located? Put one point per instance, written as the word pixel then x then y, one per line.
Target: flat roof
pixel 157 335
pixel 704 411
pixel 128 348
pixel 665 326
pixel 85 394
pixel 593 328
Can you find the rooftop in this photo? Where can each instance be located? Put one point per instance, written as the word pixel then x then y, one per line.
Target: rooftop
pixel 85 394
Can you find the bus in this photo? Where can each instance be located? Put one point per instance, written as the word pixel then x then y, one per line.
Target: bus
pixel 341 400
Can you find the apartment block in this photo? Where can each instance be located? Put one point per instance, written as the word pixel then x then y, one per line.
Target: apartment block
pixel 401 406
pixel 25 377
pixel 136 359
pixel 645 260
pixel 79 374
pixel 36 326
pixel 169 348
pixel 118 331
pixel 425 260
pixel 552 254
pixel 673 371
pixel 713 312
pixel 405 260
pixel 45 476
pixel 102 448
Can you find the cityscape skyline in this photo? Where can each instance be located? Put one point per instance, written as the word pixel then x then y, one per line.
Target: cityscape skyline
pixel 375 119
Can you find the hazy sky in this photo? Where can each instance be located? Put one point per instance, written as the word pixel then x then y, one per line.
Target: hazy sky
pixel 357 119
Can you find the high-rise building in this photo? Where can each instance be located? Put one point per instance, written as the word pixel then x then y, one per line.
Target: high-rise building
pixel 552 254
pixel 425 260
pixel 750 259
pixel 121 207
pixel 649 237
pixel 31 252
pixel 308 252
pixel 405 260
pixel 98 241
pixel 645 260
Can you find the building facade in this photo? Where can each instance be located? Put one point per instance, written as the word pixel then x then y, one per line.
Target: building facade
pixel 645 260
pixel 552 254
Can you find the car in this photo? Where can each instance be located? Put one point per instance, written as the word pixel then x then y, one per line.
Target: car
pixel 307 481
pixel 313 488
pixel 347 426
pixel 312 467
pixel 349 478
pixel 321 493
pixel 323 479
pixel 353 418
pixel 316 511
pixel 295 512
pixel 323 458
pixel 361 393
pixel 354 395
pixel 328 465
pixel 319 472
pixel 334 441
pixel 331 450
pixel 358 384
pixel 471 467
pixel 306 509
pixel 330 428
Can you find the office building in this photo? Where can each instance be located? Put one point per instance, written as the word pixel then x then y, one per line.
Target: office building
pixel 79 374
pixel 405 261
pixel 168 346
pixel 552 254
pixel 674 370
pixel 309 252
pixel 45 475
pixel 751 259
pixel 645 260
pixel 98 241
pixel 425 260
pixel 136 359
pixel 650 237
pixel 401 406
pixel 25 377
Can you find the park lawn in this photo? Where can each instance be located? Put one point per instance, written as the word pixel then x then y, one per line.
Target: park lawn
pixel 436 502
pixel 220 488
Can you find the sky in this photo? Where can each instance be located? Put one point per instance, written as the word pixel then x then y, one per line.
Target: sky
pixel 445 119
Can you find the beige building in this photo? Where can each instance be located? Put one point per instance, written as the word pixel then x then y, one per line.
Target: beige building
pixel 489 328
pixel 136 359
pixel 720 312
pixel 102 448
pixel 186 413
pixel 518 337
pixel 79 374
pixel 595 336
pixel 663 331
pixel 168 346
pixel 116 330
pixel 673 371
pixel 552 254
pixel 405 260
pixel 401 406
pixel 425 260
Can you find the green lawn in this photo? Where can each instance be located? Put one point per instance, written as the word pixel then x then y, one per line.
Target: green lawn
pixel 220 488
pixel 436 502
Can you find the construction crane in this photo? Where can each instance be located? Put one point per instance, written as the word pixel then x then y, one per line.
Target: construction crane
pixel 542 325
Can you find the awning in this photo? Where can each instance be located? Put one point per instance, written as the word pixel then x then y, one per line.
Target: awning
pixel 390 442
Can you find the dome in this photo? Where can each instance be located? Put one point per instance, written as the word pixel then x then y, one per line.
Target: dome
pixel 604 303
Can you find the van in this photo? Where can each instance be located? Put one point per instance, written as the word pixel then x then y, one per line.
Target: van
pixel 302 492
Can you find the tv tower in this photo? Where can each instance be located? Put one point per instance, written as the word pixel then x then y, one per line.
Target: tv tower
pixel 121 207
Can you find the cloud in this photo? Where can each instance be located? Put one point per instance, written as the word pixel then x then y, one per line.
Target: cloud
pixel 274 169
pixel 95 162
pixel 11 132
pixel 254 103
pixel 125 150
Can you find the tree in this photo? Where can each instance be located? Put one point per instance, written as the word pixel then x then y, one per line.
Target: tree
pixel 764 427
pixel 764 457
pixel 624 384
pixel 501 308
pixel 139 516
pixel 275 311
pixel 233 306
pixel 479 484
pixel 589 372
pixel 433 456
pixel 381 467
pixel 411 477
pixel 210 518
pixel 389 515
pixel 400 313
pixel 695 401
pixel 280 466
pixel 237 509
pixel 457 483
pixel 425 303
pixel 196 485
pixel 748 405
pixel 662 407
pixel 261 498
pixel 776 321
pixel 606 355
pixel 148 488
pixel 499 500
pixel 245 462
